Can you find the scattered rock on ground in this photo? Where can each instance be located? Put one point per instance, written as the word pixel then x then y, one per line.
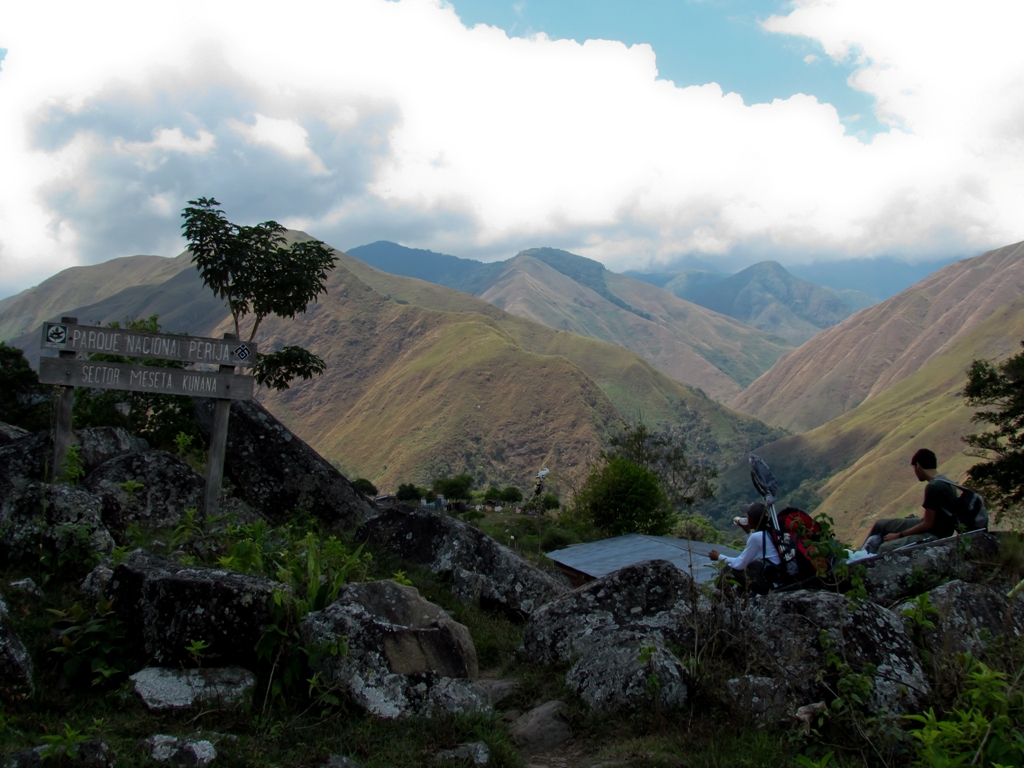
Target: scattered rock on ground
pixel 625 598
pixel 277 474
pixel 180 752
pixel 966 618
pixel 481 569
pixel 151 490
pixel 162 688
pixel 166 605
pixel 405 656
pixel 542 729
pixel 616 670
pixel 792 635
pixel 475 753
pixel 58 517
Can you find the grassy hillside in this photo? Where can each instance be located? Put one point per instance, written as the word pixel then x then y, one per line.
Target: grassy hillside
pixel 704 349
pixel 423 380
pixel 865 355
pixel 857 466
pixel 81 286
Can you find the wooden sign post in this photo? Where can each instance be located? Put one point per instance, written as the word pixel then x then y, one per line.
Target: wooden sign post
pixel 224 384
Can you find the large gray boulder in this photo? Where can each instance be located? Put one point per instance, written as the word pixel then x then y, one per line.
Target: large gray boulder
pixel 482 570
pixel 28 458
pixel 9 433
pixel 966 618
pixel 166 605
pixel 799 638
pixel 904 573
pixel 63 521
pixel 652 596
pixel 405 655
pixel 628 670
pixel 277 474
pixel 151 490
pixel 15 663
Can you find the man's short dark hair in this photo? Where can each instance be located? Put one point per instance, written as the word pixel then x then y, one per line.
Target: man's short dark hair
pixel 925 459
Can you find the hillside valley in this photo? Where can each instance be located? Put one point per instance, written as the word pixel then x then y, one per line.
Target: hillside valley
pixel 860 358
pixel 423 380
pixel 701 348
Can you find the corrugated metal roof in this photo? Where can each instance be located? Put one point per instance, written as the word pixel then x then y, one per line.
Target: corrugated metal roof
pixel 599 558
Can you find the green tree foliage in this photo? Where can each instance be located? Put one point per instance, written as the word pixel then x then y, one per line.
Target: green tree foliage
pixel 549 501
pixel 23 400
pixel 511 494
pixel 622 497
pixel 454 487
pixel 696 527
pixel 254 270
pixel 364 486
pixel 409 492
pixel 492 494
pixel 664 454
pixel 157 417
pixel 999 389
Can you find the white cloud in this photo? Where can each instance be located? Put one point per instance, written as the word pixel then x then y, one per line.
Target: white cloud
pixel 286 136
pixel 373 119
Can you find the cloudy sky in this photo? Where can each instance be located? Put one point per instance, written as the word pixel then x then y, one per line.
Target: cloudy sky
pixel 631 132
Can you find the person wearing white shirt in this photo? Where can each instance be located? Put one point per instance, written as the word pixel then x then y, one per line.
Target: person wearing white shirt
pixel 749 568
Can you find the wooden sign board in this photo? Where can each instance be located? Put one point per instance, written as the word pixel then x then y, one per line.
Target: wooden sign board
pixel 70 337
pixel 141 378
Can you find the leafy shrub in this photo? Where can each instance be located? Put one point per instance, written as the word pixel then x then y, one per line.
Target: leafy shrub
pixel 621 497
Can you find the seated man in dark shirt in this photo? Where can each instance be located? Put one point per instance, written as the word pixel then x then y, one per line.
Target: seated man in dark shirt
pixel 939 521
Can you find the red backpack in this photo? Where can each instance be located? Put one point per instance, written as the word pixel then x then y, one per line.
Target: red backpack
pixel 796 531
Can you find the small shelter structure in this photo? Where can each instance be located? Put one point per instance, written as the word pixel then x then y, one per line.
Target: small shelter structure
pixel 586 562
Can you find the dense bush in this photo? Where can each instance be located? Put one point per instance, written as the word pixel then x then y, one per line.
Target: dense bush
pixel 620 497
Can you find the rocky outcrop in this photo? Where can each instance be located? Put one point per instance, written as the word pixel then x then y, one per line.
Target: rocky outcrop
pixel 405 656
pixel 625 670
pixel 164 689
pixel 165 606
pixel 9 433
pixel 904 573
pixel 150 489
pixel 98 445
pixel 28 458
pixel 15 663
pixel 481 570
pixel 653 596
pixel 758 699
pixel 801 639
pixel 63 521
pixel 965 618
pixel 277 474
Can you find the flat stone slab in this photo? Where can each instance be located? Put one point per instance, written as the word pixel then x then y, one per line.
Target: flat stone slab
pixel 178 689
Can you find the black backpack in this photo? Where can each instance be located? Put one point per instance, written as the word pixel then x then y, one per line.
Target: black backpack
pixel 970 513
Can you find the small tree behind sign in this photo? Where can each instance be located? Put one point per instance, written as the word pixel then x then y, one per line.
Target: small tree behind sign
pixel 259 275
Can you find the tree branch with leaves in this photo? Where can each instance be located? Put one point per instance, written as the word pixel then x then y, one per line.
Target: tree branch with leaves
pixel 999 390
pixel 255 270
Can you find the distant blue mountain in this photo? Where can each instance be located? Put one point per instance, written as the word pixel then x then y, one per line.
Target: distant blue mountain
pixel 880 277
pixel 467 275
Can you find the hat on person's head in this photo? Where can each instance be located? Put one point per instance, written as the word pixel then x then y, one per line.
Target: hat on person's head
pixel 746 509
